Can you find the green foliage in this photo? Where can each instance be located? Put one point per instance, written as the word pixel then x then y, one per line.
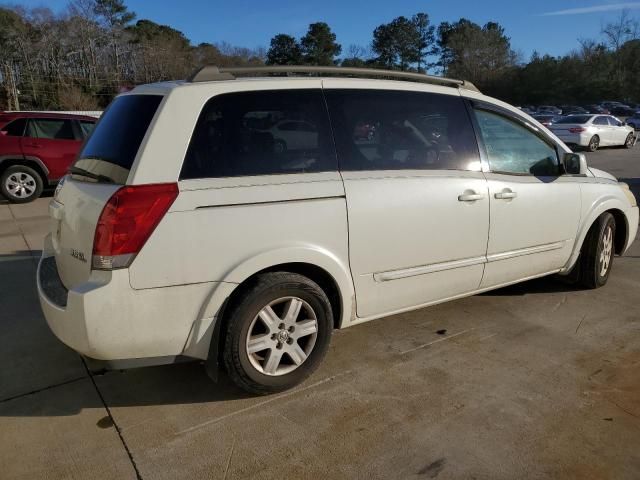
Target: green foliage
pixel 479 54
pixel 319 46
pixel 397 43
pixel 114 13
pixel 284 50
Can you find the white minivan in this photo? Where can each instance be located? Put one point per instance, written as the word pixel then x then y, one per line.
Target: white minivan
pixel 199 223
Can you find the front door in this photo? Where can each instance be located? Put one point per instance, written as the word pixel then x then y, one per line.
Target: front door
pixel 417 202
pixel 534 210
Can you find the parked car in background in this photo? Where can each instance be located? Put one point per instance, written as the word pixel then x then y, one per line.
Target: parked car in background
pixel 177 233
pixel 594 131
pixel 528 110
pixel 634 121
pixel 623 111
pixel 597 109
pixel 549 109
pixel 36 149
pixel 572 109
pixel 547 120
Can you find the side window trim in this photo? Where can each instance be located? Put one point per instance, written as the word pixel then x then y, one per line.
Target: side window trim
pixel 474 105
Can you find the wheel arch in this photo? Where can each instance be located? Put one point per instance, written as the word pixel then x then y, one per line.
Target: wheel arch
pixel 609 204
pixel 321 266
pixel 31 162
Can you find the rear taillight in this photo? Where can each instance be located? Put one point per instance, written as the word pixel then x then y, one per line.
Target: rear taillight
pixel 127 221
pixel 577 129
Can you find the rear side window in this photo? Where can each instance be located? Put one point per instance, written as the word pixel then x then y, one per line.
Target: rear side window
pixel 50 129
pixel 600 121
pixel 15 128
pixel 393 130
pixel 261 133
pixel 86 127
pixel 114 143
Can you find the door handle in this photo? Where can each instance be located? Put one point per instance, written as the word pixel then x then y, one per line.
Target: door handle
pixel 470 196
pixel 506 194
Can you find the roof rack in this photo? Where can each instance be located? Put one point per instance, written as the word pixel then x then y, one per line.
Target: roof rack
pixel 210 73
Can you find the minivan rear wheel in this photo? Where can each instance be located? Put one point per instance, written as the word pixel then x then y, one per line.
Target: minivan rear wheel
pixel 21 184
pixel 277 333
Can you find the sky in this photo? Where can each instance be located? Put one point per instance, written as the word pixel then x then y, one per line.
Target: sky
pixel 546 26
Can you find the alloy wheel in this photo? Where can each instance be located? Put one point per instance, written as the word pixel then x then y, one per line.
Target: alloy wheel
pixel 607 251
pixel 21 185
pixel 281 336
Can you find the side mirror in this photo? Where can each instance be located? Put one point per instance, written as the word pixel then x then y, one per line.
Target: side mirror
pixel 575 163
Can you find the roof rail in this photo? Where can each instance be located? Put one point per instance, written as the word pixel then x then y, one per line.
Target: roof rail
pixel 210 73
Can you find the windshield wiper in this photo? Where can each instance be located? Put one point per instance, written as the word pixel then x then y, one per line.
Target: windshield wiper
pixel 88 174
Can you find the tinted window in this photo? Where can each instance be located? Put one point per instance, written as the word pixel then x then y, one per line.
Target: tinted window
pixel 574 119
pixel 86 127
pixel 50 128
pixel 600 121
pixel 15 128
pixel 392 130
pixel 614 122
pixel 114 144
pixel 512 148
pixel 261 133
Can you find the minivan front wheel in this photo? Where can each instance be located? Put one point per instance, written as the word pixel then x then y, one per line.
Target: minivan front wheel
pixel 277 333
pixel 596 257
pixel 20 184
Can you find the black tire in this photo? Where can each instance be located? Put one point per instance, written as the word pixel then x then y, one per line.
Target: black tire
pixel 628 143
pixel 591 266
pixel 594 143
pixel 267 288
pixel 33 187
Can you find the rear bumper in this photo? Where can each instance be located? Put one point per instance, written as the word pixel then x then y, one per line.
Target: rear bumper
pixel 106 319
pixel 581 139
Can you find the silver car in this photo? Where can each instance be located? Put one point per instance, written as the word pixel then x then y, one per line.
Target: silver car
pixel 594 131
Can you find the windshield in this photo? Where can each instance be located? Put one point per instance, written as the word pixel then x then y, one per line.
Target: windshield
pixel 574 119
pixel 113 145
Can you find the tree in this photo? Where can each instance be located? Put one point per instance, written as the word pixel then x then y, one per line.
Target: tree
pixel 319 46
pixel 161 51
pixel 482 55
pixel 284 50
pixel 116 16
pixel 357 56
pixel 426 40
pixel 397 43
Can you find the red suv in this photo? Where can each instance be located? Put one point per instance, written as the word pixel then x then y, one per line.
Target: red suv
pixel 36 149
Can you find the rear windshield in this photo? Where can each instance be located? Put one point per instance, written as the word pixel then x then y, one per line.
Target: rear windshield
pixel 575 119
pixel 113 145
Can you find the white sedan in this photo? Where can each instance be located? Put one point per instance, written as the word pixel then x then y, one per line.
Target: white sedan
pixel 594 131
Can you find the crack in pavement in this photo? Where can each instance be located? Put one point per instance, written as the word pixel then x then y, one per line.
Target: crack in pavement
pixel 43 389
pixel 113 421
